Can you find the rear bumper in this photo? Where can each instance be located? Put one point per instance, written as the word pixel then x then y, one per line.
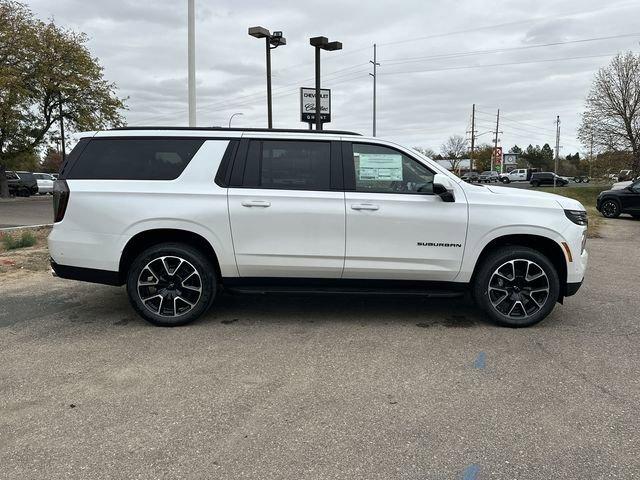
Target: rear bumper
pixel 92 275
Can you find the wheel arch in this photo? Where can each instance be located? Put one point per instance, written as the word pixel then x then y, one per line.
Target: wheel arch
pixel 545 245
pixel 147 238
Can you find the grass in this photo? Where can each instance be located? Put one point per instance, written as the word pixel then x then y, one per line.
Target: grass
pixel 26 239
pixel 587 196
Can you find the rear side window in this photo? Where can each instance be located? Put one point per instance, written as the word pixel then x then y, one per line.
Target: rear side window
pixel 134 158
pixel 288 165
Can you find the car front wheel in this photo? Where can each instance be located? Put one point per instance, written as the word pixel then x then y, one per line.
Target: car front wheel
pixel 516 286
pixel 610 209
pixel 171 284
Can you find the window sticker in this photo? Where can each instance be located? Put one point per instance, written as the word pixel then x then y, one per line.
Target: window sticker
pixel 379 166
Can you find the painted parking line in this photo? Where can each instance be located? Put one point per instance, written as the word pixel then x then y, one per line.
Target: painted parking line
pixel 481 361
pixel 471 472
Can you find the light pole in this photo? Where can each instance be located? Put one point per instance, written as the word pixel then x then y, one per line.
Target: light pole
pixel 191 61
pixel 231 117
pixel 272 41
pixel 321 43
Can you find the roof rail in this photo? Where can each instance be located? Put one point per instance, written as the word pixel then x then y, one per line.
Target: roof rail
pixel 225 129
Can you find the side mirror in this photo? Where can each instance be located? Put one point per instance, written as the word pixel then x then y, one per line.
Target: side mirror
pixel 443 187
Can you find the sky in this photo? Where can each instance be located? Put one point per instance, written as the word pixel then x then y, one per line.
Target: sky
pixel 531 60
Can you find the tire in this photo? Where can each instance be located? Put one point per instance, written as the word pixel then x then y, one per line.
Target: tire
pixel 505 180
pixel 535 184
pixel 187 278
pixel 532 272
pixel 610 208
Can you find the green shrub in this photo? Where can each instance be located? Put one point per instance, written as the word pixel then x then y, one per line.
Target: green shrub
pixel 27 239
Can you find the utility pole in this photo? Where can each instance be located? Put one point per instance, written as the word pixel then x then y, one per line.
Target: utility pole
pixel 62 149
pixel 557 149
pixel 473 136
pixel 495 144
pixel 191 60
pixel 375 64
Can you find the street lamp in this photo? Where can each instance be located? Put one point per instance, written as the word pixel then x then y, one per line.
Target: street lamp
pixel 272 41
pixel 231 117
pixel 321 43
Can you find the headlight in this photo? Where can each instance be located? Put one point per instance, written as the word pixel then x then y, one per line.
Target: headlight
pixel 579 217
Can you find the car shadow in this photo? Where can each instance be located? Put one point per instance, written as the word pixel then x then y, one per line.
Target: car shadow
pixel 363 309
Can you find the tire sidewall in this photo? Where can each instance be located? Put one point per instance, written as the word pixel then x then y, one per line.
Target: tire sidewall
pixel 188 253
pixel 498 258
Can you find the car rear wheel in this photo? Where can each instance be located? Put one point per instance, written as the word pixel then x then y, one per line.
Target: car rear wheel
pixel 516 286
pixel 610 209
pixel 171 284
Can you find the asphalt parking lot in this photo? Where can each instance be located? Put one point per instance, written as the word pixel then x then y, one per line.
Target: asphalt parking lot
pixel 320 387
pixel 21 211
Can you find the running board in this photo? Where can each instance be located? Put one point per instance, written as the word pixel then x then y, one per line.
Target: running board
pixel 341 291
pixel 292 286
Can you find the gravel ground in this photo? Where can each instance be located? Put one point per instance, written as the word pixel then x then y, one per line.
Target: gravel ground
pixel 322 387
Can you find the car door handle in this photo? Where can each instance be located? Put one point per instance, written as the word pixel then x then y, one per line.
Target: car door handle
pixel 364 206
pixel 256 203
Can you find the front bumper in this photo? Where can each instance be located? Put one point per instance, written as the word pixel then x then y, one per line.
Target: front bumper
pixel 572 288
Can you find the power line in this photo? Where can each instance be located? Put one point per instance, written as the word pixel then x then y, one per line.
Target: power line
pixel 498 64
pixel 399 61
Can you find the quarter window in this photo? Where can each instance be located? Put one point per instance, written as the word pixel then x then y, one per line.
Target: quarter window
pixel 135 158
pixel 385 170
pixel 288 165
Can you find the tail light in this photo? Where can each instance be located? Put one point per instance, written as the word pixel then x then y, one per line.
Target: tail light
pixel 60 199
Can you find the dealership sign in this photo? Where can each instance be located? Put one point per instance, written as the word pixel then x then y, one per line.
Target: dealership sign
pixel 308 105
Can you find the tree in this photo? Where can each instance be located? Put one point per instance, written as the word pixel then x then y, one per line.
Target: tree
pixel 515 149
pixel 426 151
pixel 482 157
pixel 454 150
pixel 52 161
pixel 612 116
pixel 46 72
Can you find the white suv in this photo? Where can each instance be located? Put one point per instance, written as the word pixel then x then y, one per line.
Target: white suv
pixel 180 214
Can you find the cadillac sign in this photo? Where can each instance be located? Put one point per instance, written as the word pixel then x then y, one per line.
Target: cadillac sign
pixel 308 105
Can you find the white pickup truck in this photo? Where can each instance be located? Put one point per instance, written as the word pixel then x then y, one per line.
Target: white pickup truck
pixel 516 175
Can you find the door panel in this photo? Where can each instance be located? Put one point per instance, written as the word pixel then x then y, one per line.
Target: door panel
pixel 287 215
pixel 287 233
pixel 396 228
pixel 399 238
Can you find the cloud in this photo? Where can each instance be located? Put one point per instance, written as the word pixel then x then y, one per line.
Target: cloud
pixel 437 59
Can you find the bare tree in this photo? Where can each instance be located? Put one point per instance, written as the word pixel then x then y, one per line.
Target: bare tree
pixel 611 120
pixel 454 150
pixel 426 151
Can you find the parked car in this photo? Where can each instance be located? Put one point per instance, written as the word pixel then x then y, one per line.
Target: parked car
pixel 471 177
pixel 489 177
pixel 611 203
pixel 45 183
pixel 517 175
pixel 621 185
pixel 547 178
pixel 22 184
pixel 180 214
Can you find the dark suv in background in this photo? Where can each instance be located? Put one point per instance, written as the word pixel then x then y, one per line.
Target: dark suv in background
pixel 547 178
pixel 611 203
pixel 22 184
